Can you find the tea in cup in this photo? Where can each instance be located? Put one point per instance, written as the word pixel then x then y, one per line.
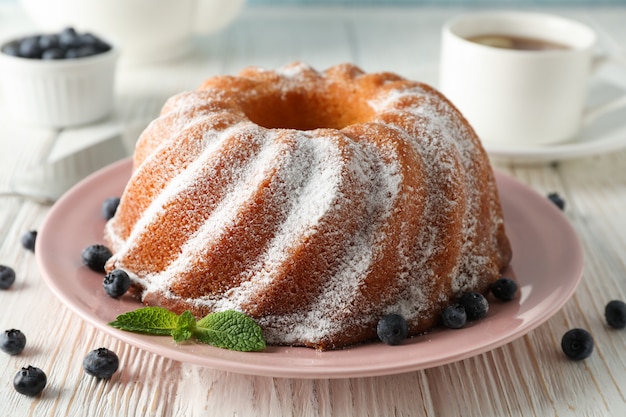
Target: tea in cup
pixel 520 77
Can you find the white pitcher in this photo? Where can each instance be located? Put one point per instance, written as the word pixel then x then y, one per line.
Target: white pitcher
pixel 145 30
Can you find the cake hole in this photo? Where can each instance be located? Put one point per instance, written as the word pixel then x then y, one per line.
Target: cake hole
pixel 334 109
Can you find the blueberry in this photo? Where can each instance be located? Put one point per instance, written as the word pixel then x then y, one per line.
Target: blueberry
pixel 504 289
pixel 87 39
pixel 49 41
pixel 80 52
pixel 66 44
pixel 109 207
pixel 12 342
pixel 557 199
pixel 12 48
pixel 29 47
pixel 95 256
pixel 116 283
pixel 53 53
pixel 392 329
pixel 615 314
pixel 101 363
pixel 577 344
pixel 28 240
pixel 475 305
pixel 454 316
pixel 30 381
pixel 68 38
pixel 7 277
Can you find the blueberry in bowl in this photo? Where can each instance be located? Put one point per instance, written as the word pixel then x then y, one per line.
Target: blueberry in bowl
pixel 58 79
pixel 67 44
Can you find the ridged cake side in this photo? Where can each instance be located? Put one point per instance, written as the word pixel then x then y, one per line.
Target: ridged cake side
pixel 238 202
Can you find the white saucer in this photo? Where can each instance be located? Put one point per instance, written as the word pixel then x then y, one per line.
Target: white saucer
pixel 588 144
pixel 605 134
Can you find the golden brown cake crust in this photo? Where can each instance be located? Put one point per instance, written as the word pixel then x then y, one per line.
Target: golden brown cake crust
pixel 314 202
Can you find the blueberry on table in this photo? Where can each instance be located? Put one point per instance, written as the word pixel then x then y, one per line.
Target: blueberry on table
pixel 7 277
pixel 504 289
pixel 109 207
pixel 101 363
pixel 557 199
pixel 12 341
pixel 454 316
pixel 30 381
pixel 29 239
pixel 615 314
pixel 577 344
pixel 475 305
pixel 96 256
pixel 392 329
pixel 116 283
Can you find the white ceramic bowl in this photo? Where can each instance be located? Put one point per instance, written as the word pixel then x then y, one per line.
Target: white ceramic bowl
pixel 58 93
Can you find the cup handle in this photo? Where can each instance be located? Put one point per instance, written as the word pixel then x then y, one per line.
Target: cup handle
pixel 214 15
pixel 592 113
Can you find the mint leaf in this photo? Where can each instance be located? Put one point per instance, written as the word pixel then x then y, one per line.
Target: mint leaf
pixel 184 327
pixel 150 320
pixel 227 329
pixel 230 330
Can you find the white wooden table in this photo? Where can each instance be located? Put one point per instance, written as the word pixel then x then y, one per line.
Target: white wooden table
pixel 528 377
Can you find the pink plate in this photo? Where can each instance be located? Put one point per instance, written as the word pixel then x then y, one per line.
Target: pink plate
pixel 547 263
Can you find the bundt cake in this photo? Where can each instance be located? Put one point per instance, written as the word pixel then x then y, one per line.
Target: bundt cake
pixel 314 202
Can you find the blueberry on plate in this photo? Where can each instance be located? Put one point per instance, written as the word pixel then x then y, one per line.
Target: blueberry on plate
pixel 7 277
pixel 454 316
pixel 30 381
pixel 29 239
pixel 116 283
pixel 577 344
pixel 101 363
pixel 12 341
pixel 392 329
pixel 109 207
pixel 615 314
pixel 504 289
pixel 475 305
pixel 95 256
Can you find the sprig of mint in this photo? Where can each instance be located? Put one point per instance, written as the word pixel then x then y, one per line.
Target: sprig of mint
pixel 226 329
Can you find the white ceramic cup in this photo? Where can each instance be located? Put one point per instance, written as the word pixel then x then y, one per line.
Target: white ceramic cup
pixel 146 31
pixel 520 97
